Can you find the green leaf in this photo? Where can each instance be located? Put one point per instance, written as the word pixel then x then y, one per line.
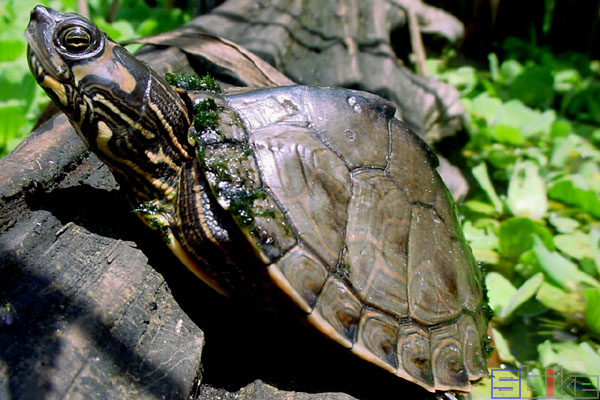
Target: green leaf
pixel 560 128
pixel 560 270
pixel 595 243
pixel 567 192
pixel 534 87
pixel 580 358
pixel 516 236
pixel 480 173
pixel 487 108
pixel 577 244
pixel 557 299
pixel 527 290
pixel 592 310
pixel 527 191
pixel 11 49
pixel 572 149
pixel 566 80
pixel 500 291
pixel 464 79
pixel 508 134
pixel 563 224
pixel 478 207
pixel 483 242
pixel 509 70
pixel 11 122
pixel 503 347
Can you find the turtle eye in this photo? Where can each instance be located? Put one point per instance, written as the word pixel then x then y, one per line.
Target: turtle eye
pixel 75 39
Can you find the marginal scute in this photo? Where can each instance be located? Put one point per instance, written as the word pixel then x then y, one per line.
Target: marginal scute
pixel 310 181
pixel 377 240
pixel 414 355
pixel 377 339
pixel 432 282
pixel 449 371
pixel 337 312
pixel 355 124
pixel 474 360
pixel 305 274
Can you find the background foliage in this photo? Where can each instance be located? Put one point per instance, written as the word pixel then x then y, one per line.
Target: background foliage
pixel 533 214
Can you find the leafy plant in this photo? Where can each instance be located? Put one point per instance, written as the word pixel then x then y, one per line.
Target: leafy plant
pixel 533 216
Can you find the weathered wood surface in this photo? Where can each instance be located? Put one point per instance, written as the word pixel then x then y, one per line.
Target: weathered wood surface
pixel 100 309
pixel 343 43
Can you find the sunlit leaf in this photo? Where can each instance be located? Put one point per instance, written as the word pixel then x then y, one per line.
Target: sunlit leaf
pixel 509 70
pixel 486 108
pixel 507 134
pixel 527 290
pixel 527 191
pixel 500 291
pixel 563 224
pixel 577 244
pixel 595 243
pixel 557 299
pixel 502 347
pixel 480 173
pixel 573 357
pixel 11 49
pixel 560 270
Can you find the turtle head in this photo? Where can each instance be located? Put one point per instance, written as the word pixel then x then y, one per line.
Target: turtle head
pixel 129 116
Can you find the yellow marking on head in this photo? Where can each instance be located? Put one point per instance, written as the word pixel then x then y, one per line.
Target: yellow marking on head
pixel 107 67
pixel 169 129
pixel 56 87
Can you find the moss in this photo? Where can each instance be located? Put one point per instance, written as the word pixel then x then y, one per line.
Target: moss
pixel 148 211
pixel 191 81
pixel 148 208
pixel 343 269
pixel 242 206
pixel 206 115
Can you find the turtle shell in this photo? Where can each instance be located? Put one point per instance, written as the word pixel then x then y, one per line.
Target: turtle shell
pixel 342 203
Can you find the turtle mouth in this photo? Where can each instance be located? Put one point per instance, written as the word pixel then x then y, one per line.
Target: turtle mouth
pixel 43 58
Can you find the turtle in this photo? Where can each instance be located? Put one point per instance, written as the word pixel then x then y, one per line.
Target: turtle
pixel 315 194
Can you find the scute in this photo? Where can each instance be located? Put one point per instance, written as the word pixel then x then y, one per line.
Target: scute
pixel 310 181
pixel 377 241
pixel 433 292
pixel 377 340
pixel 337 312
pixel 305 275
pixel 414 355
pixel 449 371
